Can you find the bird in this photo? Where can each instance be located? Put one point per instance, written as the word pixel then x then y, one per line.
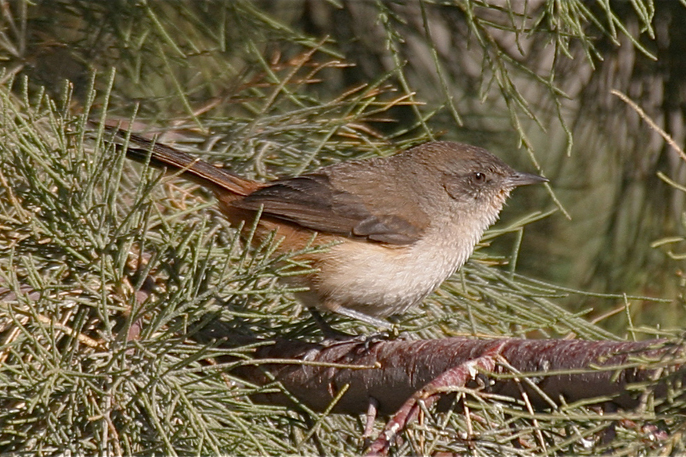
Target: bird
pixel 396 227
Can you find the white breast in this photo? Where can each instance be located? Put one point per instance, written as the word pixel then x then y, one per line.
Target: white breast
pixel 379 281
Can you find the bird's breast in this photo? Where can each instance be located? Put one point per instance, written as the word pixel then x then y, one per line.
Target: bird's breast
pixel 381 280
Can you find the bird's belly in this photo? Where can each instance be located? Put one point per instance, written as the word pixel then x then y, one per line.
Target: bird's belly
pixel 378 280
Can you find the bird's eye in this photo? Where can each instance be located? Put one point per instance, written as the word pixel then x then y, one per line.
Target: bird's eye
pixel 479 177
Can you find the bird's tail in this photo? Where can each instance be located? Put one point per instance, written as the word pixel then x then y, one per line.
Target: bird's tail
pixel 185 165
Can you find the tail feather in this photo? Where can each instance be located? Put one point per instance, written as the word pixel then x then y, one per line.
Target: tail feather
pixel 159 155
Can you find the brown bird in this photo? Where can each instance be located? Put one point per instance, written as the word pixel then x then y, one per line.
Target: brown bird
pixel 398 226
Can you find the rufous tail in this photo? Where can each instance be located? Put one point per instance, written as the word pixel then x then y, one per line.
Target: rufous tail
pixel 162 156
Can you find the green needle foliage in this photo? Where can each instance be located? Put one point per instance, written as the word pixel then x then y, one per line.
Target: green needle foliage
pixel 125 297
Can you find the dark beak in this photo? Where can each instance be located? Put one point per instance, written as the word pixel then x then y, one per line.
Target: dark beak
pixel 524 179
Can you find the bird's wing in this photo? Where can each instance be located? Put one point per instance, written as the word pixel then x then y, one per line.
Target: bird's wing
pixel 313 202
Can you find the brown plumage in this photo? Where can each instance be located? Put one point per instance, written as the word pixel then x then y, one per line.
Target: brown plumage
pixel 400 225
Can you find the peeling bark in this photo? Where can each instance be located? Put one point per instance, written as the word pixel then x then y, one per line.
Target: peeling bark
pixel 391 372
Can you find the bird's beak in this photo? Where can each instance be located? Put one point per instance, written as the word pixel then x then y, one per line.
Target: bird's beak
pixel 524 179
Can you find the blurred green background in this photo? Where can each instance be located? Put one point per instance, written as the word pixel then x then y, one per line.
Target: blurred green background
pixel 116 290
pixel 531 83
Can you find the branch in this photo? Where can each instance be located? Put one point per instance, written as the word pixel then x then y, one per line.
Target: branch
pixel 390 372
